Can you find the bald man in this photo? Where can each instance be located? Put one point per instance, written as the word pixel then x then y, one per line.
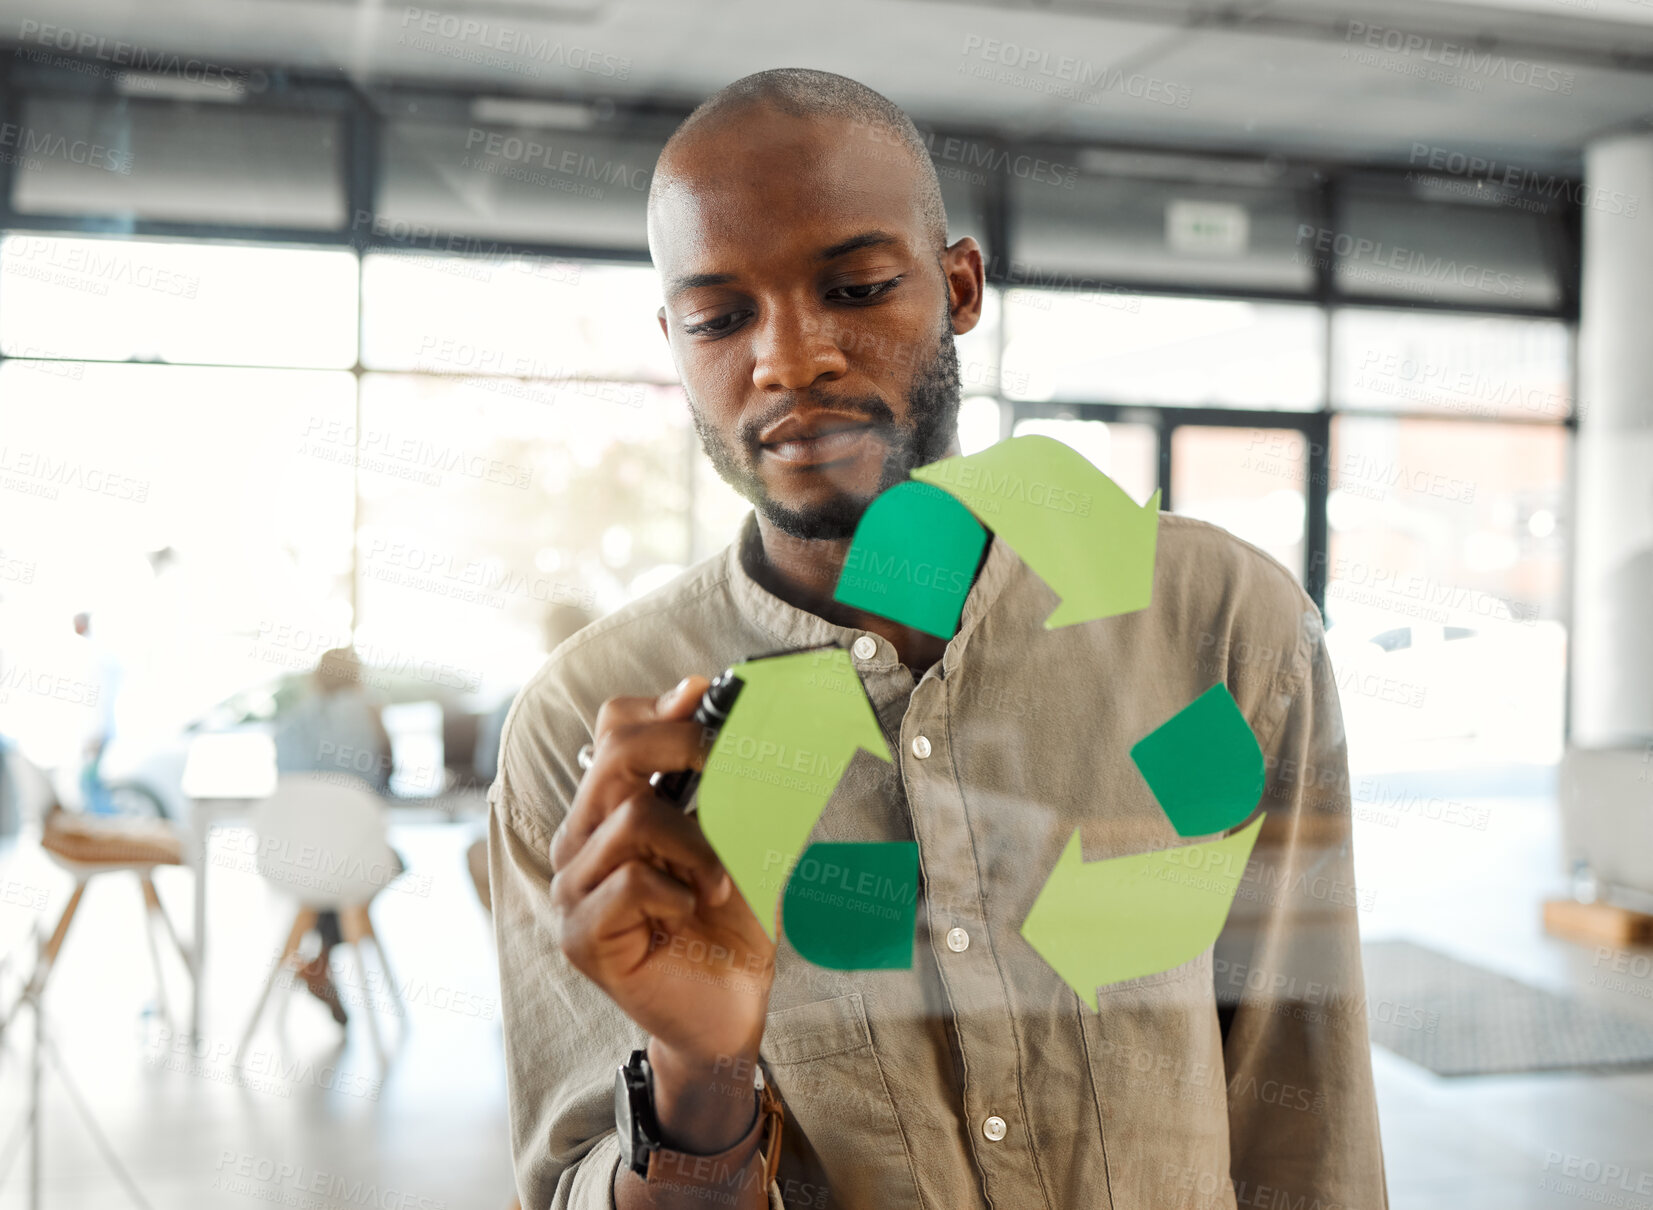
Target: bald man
pixel 661 1050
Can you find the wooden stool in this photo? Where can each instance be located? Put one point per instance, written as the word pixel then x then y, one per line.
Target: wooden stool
pixel 86 847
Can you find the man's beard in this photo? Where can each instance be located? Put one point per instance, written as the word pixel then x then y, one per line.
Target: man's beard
pixel 932 424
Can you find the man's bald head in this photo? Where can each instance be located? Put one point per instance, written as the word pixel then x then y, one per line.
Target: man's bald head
pixel 811 299
pixel 804 93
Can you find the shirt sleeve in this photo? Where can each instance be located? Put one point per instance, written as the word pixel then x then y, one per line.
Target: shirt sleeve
pixel 564 1038
pixel 562 1143
pixel 1302 1108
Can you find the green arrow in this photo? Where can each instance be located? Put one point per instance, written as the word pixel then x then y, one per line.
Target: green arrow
pixel 1204 765
pixel 913 558
pixel 1075 527
pixel 788 740
pixel 851 907
pixel 1124 917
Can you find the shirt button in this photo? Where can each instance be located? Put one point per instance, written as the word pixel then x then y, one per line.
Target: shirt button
pixel 993 1128
pixel 865 647
pixel 921 747
pixel 958 940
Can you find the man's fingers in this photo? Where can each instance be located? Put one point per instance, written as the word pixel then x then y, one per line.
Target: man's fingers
pixel 634 894
pixel 639 750
pixel 624 761
pixel 648 828
pixel 677 702
pixel 680 700
pixel 621 712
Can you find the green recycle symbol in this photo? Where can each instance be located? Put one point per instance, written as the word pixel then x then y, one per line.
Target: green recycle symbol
pixel 802 717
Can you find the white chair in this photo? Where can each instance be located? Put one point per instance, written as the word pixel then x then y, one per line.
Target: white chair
pixel 85 847
pixel 322 838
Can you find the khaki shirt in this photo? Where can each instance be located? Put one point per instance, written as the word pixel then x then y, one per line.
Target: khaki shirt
pixel 1242 1078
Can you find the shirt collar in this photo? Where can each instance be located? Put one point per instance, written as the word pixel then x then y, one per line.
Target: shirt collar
pixel 794 627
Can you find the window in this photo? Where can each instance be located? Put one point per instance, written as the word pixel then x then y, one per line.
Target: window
pixel 146 300
pixel 522 317
pixel 187 510
pixel 1464 365
pixel 468 435
pixel 1445 589
pixel 1126 453
pixel 1113 347
pixel 1249 481
pixel 981 419
pixel 980 362
pixel 486 502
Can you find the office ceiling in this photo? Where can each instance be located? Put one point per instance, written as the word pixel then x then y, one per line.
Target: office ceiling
pixel 1320 78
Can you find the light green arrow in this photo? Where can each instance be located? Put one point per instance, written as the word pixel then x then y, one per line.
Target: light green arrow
pixel 788 740
pixel 1123 917
pixel 1074 526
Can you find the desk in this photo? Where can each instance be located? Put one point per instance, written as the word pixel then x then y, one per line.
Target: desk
pixel 224 775
pixel 205 814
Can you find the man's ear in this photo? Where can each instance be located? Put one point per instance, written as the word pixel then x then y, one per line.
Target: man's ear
pixel 961 265
pixel 661 316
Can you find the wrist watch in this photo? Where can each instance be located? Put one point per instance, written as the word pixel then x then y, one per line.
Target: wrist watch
pixel 645 1152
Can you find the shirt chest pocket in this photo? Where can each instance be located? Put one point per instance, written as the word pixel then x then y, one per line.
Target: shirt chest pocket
pixel 842 1145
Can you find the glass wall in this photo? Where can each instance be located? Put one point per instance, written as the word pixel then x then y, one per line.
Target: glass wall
pixel 330 400
pixel 1445 589
pixel 235 457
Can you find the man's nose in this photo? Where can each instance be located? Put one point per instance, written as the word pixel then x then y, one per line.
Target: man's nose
pixel 796 348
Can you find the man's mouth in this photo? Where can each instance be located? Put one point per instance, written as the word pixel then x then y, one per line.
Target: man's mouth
pixel 817 451
pixel 816 441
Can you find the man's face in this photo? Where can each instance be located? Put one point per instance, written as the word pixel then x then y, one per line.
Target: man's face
pixel 810 315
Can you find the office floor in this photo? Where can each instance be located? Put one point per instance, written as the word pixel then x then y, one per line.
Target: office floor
pixel 1552 1141
pixel 318 1123
pixel 314 1122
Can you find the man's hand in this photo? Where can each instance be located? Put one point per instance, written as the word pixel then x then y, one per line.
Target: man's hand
pixel 645 910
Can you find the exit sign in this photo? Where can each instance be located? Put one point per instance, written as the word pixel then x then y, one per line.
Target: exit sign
pixel 1206 228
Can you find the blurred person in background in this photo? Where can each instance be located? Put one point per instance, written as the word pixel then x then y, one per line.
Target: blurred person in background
pixel 100 682
pixel 334 728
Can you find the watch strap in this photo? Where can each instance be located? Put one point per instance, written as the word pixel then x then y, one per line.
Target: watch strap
pixel 667 1164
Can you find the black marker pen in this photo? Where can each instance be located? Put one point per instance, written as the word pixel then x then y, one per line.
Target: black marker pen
pixel 712 713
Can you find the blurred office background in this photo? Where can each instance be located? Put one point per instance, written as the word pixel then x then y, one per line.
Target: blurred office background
pixel 328 323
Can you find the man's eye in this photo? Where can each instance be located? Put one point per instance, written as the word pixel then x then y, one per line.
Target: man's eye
pixel 865 293
pixel 714 327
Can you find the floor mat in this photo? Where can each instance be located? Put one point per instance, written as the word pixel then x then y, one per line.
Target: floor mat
pixel 1458 1019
